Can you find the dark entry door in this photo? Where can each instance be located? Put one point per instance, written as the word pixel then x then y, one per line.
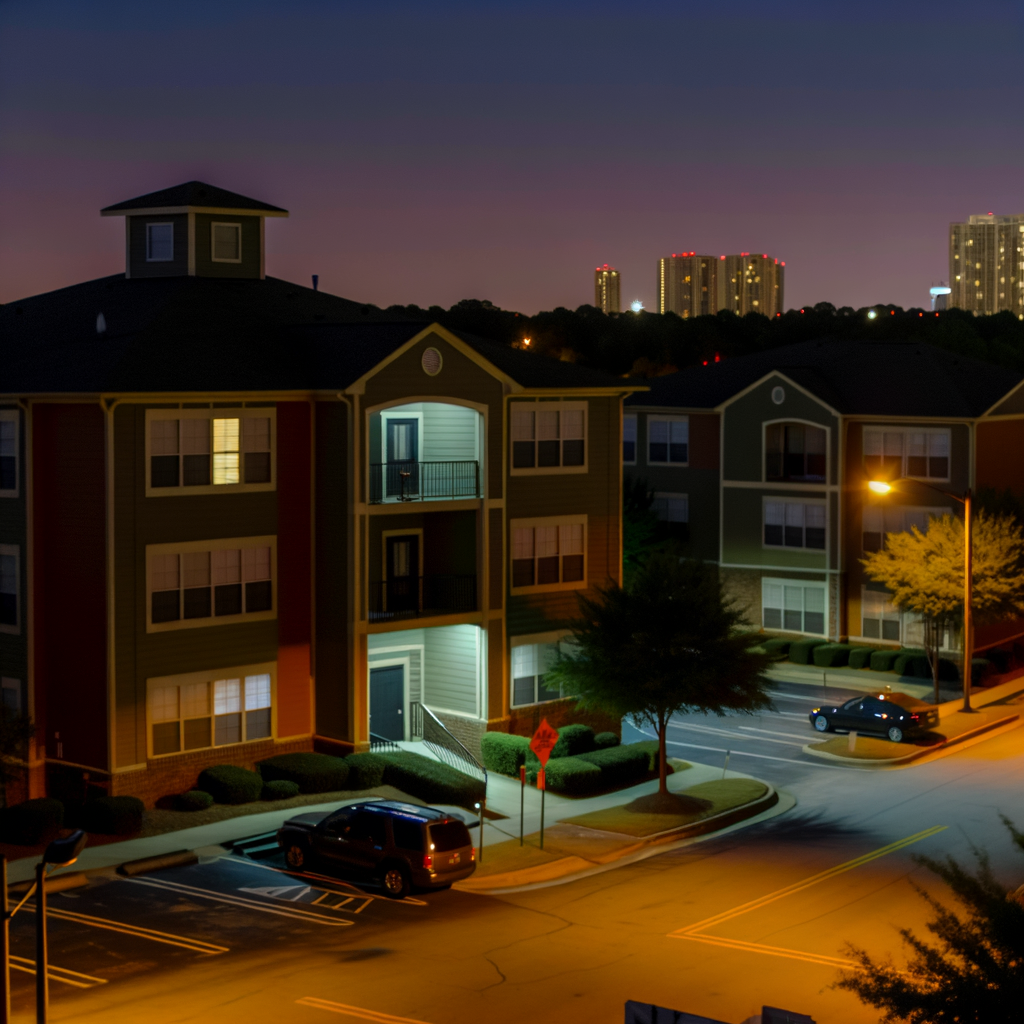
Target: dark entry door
pixel 403 447
pixel 387 694
pixel 403 573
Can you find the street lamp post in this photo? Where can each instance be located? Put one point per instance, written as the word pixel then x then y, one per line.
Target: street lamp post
pixel 885 487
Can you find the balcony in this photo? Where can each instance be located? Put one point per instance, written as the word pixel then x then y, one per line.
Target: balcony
pixel 413 480
pixel 410 597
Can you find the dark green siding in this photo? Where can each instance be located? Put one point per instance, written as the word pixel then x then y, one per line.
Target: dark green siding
pixel 250 265
pixel 13 519
pixel 742 536
pixel 177 267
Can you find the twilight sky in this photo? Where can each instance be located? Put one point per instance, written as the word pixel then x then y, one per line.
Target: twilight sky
pixel 430 152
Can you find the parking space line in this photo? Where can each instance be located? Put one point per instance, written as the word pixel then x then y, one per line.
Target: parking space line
pixel 734 735
pixel 769 757
pixel 64 974
pixel 769 732
pixel 355 1011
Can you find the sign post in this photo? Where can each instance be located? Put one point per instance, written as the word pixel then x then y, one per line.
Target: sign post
pixel 522 797
pixel 543 742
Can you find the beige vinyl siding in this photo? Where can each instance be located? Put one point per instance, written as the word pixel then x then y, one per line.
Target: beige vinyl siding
pixel 406 644
pixel 450 432
pixel 452 671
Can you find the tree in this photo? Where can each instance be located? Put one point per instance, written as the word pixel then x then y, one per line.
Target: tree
pixel 15 732
pixel 639 526
pixel 668 643
pixel 925 574
pixel 975 975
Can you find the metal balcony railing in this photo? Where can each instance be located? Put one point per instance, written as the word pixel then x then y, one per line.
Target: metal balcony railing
pixel 407 597
pixel 410 480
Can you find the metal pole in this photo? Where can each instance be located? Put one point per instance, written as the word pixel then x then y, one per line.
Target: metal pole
pixel 968 617
pixel 482 802
pixel 5 948
pixel 522 797
pixel 542 792
pixel 725 768
pixel 42 968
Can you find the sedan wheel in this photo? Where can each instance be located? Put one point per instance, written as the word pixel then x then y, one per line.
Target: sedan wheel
pixel 295 857
pixel 895 734
pixel 821 723
pixel 395 880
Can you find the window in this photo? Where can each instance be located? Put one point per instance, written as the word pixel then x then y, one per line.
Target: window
pixel 668 440
pixel 530 662
pixel 207 450
pixel 880 618
pixel 794 524
pixel 548 436
pixel 10 694
pixel 199 584
pixel 9 422
pixel 629 440
pixel 192 713
pixel 226 243
pixel 880 520
pixel 793 606
pixel 9 588
pixel 159 243
pixel 671 508
pixel 892 453
pixel 794 451
pixel 548 552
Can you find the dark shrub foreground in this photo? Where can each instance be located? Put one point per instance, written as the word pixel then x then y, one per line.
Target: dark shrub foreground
pixel 193 800
pixel 503 753
pixel 228 784
pixel 113 815
pixel 281 789
pixel 431 781
pixel 312 773
pixel 365 771
pixel 573 740
pixel 31 822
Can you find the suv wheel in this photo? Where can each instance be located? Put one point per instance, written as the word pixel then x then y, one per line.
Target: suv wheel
pixel 395 880
pixel 821 723
pixel 895 734
pixel 296 857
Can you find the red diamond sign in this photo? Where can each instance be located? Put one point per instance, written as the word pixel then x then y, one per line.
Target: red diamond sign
pixel 544 740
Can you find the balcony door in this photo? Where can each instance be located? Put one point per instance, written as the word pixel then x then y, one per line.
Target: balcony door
pixel 402 456
pixel 402 560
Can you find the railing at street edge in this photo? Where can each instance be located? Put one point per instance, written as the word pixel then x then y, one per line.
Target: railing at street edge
pixel 428 727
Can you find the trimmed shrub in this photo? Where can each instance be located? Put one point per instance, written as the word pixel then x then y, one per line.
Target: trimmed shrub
pixel 573 776
pixel 904 663
pixel 883 661
pixel 831 655
pixel 624 765
pixel 281 789
pixel 573 740
pixel 1000 659
pixel 193 800
pixel 431 781
pixel 980 667
pixel 114 815
pixel 860 657
pixel 801 651
pixel 776 648
pixel 604 740
pixel 312 773
pixel 229 784
pixel 503 753
pixel 365 771
pixel 31 822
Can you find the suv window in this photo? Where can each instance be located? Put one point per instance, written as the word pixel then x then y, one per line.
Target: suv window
pixel 449 835
pixel 368 827
pixel 408 834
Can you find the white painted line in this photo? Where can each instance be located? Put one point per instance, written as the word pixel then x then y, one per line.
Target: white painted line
pixel 792 714
pixel 768 732
pixel 355 1011
pixel 735 735
pixel 768 757
pixel 790 696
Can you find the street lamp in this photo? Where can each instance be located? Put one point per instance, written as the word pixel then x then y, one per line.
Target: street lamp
pixel 883 487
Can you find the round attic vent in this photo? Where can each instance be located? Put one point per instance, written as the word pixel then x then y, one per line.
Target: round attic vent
pixel 431 362
pixel 778 395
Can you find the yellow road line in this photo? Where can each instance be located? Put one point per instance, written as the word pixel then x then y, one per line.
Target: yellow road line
pixel 757 947
pixel 796 887
pixel 355 1011
pixel 20 963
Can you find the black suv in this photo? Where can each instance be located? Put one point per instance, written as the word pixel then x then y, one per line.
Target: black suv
pixel 401 846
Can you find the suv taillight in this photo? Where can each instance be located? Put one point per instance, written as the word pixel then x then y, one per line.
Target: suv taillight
pixel 472 853
pixel 428 862
pixel 914 718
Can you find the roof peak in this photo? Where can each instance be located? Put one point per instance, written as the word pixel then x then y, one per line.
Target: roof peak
pixel 193 196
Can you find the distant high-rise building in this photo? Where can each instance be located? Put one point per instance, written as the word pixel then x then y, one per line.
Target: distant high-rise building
pixel 750 283
pixel 688 284
pixel 986 264
pixel 606 289
pixel 940 296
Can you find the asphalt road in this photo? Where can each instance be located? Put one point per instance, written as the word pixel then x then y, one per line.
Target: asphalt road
pixel 718 927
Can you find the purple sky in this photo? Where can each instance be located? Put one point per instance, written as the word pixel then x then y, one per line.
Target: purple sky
pixel 434 152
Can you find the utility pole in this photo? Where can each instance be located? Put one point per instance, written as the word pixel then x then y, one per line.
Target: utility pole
pixel 968 617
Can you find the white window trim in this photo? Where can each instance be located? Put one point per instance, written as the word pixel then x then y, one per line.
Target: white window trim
pixel 15 630
pixel 636 437
pixel 13 416
pixel 225 224
pixel 229 413
pixel 553 637
pixel 548 407
pixel 159 224
pixel 794 582
pixel 210 676
pixel 665 418
pixel 904 430
pixel 782 500
pixel 795 483
pixel 547 588
pixel 210 545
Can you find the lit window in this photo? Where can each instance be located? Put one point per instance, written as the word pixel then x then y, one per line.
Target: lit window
pixel 530 663
pixel 548 436
pixel 225 451
pixel 548 554
pixel 793 607
pixel 916 453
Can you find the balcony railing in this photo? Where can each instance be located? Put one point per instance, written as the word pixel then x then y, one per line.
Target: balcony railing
pixel 408 597
pixel 409 480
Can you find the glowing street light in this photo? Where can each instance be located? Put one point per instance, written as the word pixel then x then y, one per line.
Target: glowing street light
pixel 879 486
pixel 637 306
pixel 872 313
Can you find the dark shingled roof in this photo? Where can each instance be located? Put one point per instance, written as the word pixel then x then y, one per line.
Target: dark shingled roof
pixel 192 193
pixel 869 378
pixel 197 334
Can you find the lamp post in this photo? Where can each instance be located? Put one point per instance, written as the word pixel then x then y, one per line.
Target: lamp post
pixel 885 487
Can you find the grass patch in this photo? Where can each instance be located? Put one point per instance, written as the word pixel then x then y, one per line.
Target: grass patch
pixel 646 817
pixel 868 748
pixel 510 856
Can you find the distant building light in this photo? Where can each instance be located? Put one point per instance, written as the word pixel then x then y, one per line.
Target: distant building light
pixel 872 314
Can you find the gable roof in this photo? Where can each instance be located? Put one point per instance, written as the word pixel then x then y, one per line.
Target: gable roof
pixel 195 194
pixel 866 378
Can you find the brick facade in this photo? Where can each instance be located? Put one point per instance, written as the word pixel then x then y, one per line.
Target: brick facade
pixel 744 587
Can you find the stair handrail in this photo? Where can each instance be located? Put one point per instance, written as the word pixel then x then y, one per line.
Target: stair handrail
pixel 443 744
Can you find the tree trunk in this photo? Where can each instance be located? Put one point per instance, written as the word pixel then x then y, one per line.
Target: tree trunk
pixel 662 762
pixel 932 642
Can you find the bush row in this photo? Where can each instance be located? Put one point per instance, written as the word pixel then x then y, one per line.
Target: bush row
pixel 506 754
pixel 37 821
pixel 903 662
pixel 599 770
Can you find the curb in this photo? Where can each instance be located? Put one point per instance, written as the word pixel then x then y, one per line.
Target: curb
pixel 933 753
pixel 568 869
pixel 165 860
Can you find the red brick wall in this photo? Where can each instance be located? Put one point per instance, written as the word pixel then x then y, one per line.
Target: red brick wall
pixel 704 440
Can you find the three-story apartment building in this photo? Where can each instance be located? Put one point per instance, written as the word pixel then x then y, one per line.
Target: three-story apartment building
pixel 240 517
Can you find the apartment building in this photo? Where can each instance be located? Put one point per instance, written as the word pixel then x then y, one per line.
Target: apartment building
pixel 241 517
pixel 606 289
pixel 986 264
pixel 762 461
pixel 697 285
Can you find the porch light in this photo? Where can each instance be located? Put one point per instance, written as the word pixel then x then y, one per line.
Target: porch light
pixel 879 486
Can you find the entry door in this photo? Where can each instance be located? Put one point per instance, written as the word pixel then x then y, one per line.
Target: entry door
pixel 387 695
pixel 403 573
pixel 403 471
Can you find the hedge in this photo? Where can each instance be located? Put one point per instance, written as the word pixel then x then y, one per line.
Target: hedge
pixel 624 765
pixel 430 780
pixel 281 789
pixel 312 773
pixel 365 771
pixel 860 657
pixel 776 648
pixel 503 753
pixel 573 740
pixel 113 815
pixel 831 655
pixel 800 652
pixel 194 800
pixel 31 822
pixel 882 661
pixel 604 740
pixel 229 784
pixel 573 776
pixel 904 663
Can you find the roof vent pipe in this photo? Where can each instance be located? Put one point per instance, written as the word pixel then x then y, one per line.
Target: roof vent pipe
pixel 101 323
pixel 316 282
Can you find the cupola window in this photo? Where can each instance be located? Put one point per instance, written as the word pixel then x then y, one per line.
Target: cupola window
pixel 159 243
pixel 227 243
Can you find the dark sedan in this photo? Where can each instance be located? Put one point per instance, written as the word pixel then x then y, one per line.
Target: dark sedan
pixel 896 716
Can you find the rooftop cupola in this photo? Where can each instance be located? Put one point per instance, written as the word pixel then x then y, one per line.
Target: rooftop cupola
pixel 193 230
